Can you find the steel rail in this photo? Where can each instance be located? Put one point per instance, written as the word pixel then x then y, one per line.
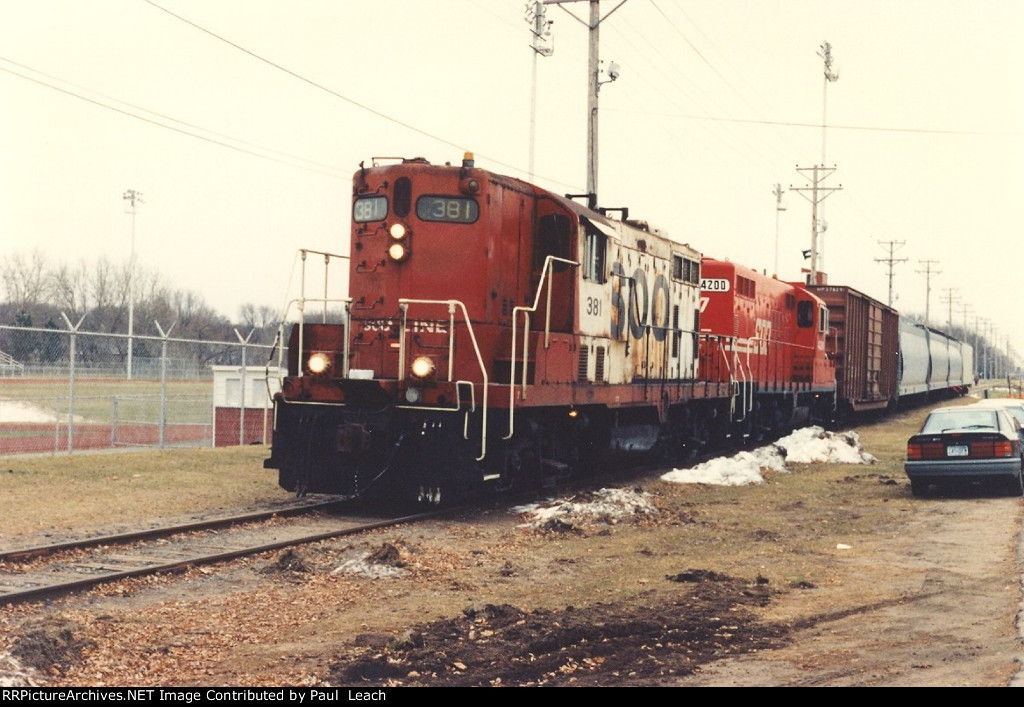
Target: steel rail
pixel 119 538
pixel 64 585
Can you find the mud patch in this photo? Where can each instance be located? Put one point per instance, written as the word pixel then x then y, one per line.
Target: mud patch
pixel 50 643
pixel 603 644
pixel 289 561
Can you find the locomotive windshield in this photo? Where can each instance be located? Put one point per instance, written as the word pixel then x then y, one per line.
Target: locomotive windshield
pixel 370 208
pixel 447 208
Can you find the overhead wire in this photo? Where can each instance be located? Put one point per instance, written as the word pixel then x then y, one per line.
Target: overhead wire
pixel 219 139
pixel 331 91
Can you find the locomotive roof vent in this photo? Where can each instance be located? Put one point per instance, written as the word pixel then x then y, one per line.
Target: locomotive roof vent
pixel 645 226
pixel 378 161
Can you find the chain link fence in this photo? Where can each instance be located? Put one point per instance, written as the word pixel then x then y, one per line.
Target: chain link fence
pixel 66 391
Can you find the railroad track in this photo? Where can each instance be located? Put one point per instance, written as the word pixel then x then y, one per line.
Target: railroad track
pixel 48 570
pixel 36 572
pixel 292 506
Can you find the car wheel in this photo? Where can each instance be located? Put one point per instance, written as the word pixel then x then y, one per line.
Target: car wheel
pixel 918 488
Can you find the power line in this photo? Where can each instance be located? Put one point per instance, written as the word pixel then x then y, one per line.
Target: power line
pixel 317 167
pixel 326 89
pixel 816 126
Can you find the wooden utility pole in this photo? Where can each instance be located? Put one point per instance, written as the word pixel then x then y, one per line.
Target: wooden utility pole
pixel 928 272
pixel 890 261
pixel 818 193
pixel 594 82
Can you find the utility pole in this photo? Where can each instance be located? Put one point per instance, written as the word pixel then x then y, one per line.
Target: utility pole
pixel 778 192
pixel 950 298
pixel 542 45
pixel 965 308
pixel 134 198
pixel 928 272
pixel 979 352
pixel 594 83
pixel 818 193
pixel 890 261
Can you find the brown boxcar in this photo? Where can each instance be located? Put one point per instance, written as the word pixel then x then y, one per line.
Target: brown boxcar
pixel 864 346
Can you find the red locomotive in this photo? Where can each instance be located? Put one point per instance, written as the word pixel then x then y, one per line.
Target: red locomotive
pixel 497 334
pixel 770 337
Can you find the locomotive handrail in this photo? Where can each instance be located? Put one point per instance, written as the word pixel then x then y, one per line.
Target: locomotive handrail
pixel 403 304
pixel 300 303
pixel 547 273
pixel 746 385
pixel 303 252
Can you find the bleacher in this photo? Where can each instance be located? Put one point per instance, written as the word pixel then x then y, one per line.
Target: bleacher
pixel 10 368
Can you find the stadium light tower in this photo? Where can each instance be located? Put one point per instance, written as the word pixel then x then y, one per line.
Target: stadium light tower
pixel 542 45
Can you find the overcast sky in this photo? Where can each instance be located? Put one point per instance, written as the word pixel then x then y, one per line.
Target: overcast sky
pixel 242 121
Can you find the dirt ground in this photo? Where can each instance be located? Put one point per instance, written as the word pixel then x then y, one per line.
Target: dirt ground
pixel 830 575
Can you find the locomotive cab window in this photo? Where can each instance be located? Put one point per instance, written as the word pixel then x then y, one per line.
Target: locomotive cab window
pixel 554 237
pixel 805 314
pixel 595 245
pixel 823 320
pixel 370 208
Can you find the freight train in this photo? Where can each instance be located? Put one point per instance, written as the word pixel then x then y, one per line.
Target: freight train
pixel 497 335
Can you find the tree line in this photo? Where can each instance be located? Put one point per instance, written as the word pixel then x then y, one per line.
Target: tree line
pixel 36 292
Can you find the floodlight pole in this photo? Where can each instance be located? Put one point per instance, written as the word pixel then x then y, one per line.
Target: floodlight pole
pixel 818 238
pixel 777 191
pixel 542 46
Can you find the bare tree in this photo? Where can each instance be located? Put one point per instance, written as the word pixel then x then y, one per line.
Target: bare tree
pixel 25 278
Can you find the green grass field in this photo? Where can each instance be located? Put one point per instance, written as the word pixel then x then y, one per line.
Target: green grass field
pixel 105 400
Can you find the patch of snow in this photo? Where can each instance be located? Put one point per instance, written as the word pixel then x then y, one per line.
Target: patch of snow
pixel 810 445
pixel 18 411
pixel 806 446
pixel 21 411
pixel 609 505
pixel 13 674
pixel 361 567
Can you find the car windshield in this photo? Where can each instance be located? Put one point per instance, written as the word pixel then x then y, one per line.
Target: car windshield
pixel 945 420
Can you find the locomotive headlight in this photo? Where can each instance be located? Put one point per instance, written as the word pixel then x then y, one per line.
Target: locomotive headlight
pixel 422 367
pixel 413 395
pixel 398 252
pixel 399 249
pixel 318 363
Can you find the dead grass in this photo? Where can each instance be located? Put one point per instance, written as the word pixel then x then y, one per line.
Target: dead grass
pixel 66 494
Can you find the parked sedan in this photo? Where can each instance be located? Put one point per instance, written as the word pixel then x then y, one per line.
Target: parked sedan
pixel 966 444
